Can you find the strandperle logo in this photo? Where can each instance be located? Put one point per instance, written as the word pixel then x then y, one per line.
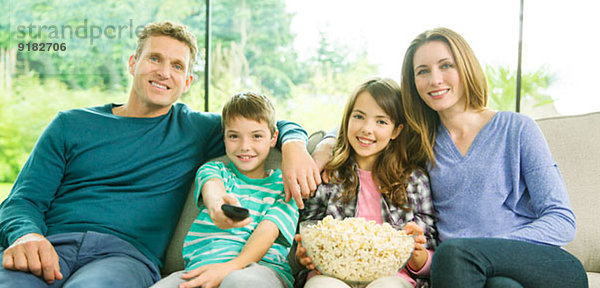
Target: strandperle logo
pixel 83 30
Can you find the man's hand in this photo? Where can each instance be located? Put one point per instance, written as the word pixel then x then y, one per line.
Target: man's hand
pixel 208 276
pixel 300 173
pixel 220 219
pixel 33 253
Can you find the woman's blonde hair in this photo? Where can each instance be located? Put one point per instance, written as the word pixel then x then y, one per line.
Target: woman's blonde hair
pixel 391 168
pixel 421 119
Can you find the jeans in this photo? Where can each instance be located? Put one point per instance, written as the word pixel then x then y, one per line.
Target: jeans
pixel 493 262
pixel 90 260
pixel 254 275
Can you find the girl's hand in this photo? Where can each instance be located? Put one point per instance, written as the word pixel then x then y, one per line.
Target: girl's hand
pixel 301 256
pixel 420 255
pixel 208 276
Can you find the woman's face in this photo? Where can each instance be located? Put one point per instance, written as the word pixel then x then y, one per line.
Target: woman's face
pixel 436 77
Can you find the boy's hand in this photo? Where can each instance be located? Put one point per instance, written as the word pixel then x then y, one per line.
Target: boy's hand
pixel 301 256
pixel 420 255
pixel 208 276
pixel 221 220
pixel 35 254
pixel 300 172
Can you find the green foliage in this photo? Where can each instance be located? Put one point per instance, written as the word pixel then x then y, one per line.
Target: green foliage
pixel 503 87
pixel 4 190
pixel 252 49
pixel 260 27
pixel 28 108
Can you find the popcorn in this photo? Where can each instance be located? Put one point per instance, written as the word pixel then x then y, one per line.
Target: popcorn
pixel 356 250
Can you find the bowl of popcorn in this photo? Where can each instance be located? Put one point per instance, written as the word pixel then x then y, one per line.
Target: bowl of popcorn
pixel 355 250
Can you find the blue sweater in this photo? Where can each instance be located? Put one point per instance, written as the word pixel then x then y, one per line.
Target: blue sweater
pixel 93 171
pixel 506 186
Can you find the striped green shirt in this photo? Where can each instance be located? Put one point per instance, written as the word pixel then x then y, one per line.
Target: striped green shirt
pixel 206 243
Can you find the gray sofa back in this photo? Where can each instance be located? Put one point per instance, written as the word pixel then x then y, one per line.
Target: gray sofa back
pixel 575 144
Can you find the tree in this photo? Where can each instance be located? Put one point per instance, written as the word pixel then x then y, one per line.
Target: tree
pixel 252 50
pixel 503 83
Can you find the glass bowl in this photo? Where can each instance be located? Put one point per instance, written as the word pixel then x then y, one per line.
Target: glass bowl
pixel 354 250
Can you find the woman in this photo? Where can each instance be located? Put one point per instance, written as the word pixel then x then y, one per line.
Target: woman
pixel 502 206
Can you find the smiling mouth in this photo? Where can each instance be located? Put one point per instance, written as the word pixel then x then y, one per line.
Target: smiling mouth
pixel 159 86
pixel 365 141
pixel 245 157
pixel 438 93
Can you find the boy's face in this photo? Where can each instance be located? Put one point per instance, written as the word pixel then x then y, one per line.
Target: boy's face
pixel 247 143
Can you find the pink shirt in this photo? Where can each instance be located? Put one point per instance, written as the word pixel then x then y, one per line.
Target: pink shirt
pixel 369 198
pixel 369 207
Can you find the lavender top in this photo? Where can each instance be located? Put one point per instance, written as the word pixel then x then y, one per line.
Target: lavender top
pixel 507 185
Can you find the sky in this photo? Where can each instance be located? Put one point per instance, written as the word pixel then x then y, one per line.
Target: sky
pixel 557 35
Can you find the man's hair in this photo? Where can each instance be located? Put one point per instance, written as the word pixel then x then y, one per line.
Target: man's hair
pixel 250 105
pixel 176 31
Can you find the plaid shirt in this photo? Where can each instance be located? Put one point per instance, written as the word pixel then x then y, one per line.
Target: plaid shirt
pixel 417 191
pixel 325 203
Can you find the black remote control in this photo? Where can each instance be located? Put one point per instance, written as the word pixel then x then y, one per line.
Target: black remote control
pixel 235 212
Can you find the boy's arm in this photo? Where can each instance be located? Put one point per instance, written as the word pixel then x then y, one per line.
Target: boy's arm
pixel 214 195
pixel 256 247
pixel 211 191
pixel 258 244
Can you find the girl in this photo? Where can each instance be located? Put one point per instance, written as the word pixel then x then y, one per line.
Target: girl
pixel 502 205
pixel 370 176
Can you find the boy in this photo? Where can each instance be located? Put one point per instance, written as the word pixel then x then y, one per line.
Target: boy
pixel 256 253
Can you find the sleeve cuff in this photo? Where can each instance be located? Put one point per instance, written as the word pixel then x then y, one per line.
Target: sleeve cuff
pixel 424 271
pixel 290 140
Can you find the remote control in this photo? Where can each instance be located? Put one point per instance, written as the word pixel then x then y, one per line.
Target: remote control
pixel 235 212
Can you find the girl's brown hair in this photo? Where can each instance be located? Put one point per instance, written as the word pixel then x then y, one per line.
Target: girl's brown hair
pixel 391 168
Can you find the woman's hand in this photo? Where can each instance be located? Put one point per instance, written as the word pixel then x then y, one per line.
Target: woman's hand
pixel 420 255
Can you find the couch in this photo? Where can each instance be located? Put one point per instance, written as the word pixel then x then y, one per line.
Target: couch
pixel 575 145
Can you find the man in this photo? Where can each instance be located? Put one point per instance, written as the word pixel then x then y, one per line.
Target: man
pixel 98 199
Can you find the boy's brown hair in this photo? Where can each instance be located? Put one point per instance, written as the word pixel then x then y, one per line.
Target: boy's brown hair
pixel 250 105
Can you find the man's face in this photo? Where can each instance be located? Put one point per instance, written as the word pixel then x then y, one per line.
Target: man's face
pixel 160 74
pixel 247 144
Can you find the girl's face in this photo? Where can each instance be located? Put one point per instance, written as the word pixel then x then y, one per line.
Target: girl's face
pixel 370 130
pixel 436 77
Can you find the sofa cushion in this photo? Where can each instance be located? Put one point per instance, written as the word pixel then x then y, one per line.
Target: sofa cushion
pixel 575 145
